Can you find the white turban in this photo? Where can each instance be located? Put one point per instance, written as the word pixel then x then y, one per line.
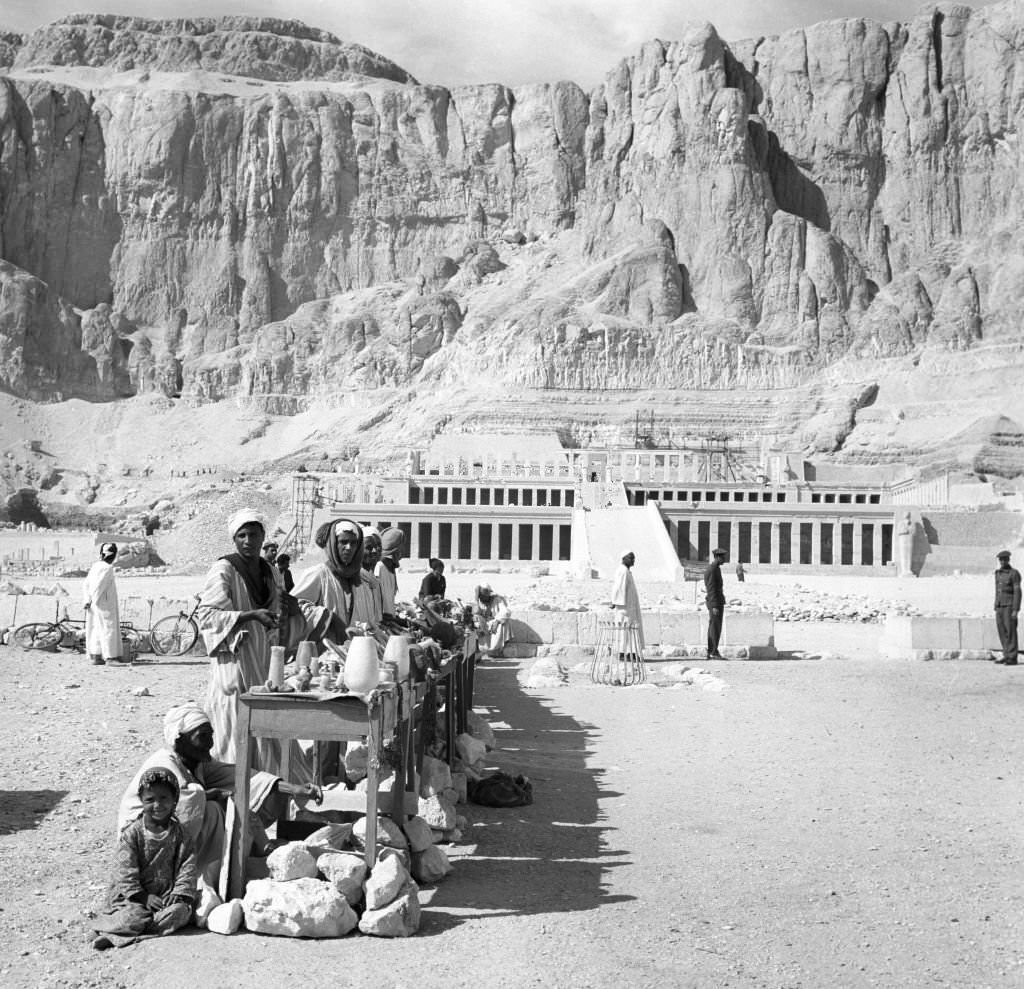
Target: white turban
pixel 242 517
pixel 182 719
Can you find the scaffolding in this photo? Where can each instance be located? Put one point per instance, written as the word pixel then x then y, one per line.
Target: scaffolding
pixel 305 500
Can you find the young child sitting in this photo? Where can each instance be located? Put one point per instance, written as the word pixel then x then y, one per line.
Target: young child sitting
pixel 154 888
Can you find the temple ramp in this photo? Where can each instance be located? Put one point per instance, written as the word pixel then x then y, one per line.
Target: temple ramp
pixel 611 532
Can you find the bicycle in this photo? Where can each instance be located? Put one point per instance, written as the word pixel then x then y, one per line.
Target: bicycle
pixel 175 635
pixel 69 633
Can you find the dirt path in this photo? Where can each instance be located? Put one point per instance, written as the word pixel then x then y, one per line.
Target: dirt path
pixel 844 822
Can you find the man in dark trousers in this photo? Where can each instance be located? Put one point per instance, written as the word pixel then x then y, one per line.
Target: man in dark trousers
pixel 714 598
pixel 1007 607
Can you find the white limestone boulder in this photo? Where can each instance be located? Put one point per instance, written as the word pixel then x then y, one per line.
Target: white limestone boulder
pixel 330 838
pixel 291 861
pixel 388 833
pixel 437 812
pixel 480 729
pixel 430 866
pixel 399 918
pixel 418 832
pixel 471 751
pixel 385 882
pixel 300 908
pixel 207 901
pixel 435 776
pixel 346 872
pixel 226 918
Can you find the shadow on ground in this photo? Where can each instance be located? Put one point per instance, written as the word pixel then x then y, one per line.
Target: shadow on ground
pixel 23 810
pixel 548 857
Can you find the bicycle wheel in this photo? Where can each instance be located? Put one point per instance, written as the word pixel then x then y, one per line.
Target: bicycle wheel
pixel 174 635
pixel 38 635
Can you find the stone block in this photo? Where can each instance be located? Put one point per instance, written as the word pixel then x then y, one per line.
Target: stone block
pixel 978 634
pixel 896 634
pixel 385 882
pixel 226 918
pixel 291 861
pixel 400 918
pixel 747 629
pixel 680 628
pixel 346 872
pixel 586 627
pixel 299 908
pixel 430 866
pixel 651 621
pixel 935 633
pixel 565 627
pixel 533 627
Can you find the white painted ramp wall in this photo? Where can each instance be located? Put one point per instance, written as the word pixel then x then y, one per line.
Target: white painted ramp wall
pixel 611 532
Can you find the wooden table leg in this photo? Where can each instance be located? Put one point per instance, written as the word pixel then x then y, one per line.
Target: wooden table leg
pixel 450 693
pixel 241 838
pixel 398 785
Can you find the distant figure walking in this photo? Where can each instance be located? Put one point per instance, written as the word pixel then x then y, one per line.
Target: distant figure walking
pixel 102 618
pixel 741 574
pixel 626 597
pixel 1007 607
pixel 714 598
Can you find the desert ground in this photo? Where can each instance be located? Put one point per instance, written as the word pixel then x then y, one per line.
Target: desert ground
pixel 829 818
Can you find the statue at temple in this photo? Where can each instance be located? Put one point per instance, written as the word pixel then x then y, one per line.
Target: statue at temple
pixel 904 532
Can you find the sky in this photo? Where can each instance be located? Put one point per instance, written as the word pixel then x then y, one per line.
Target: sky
pixel 459 42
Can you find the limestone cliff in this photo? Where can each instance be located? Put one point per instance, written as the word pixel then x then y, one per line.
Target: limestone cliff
pixel 250 207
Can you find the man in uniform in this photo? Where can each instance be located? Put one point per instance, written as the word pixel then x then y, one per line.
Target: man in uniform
pixel 714 598
pixel 1007 607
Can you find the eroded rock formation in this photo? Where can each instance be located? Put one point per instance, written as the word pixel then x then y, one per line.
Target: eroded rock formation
pixel 249 207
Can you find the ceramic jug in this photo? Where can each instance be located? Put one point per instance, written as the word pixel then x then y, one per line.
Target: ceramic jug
pixel 277 665
pixel 397 651
pixel 304 654
pixel 361 670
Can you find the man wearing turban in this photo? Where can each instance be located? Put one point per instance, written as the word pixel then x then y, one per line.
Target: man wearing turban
pixel 204 783
pixel 625 598
pixel 333 594
pixel 392 541
pixel 238 611
pixel 99 598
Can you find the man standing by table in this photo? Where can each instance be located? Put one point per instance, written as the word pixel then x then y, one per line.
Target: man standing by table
pixel 714 598
pixel 626 597
pixel 1007 607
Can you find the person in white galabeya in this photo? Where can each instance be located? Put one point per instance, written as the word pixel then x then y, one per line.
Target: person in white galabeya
pixel 102 618
pixel 625 598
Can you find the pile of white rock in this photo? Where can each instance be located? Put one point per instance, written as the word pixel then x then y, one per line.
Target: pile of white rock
pixel 321 887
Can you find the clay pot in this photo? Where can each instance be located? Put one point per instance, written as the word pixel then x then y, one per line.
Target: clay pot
pixel 361 671
pixel 397 651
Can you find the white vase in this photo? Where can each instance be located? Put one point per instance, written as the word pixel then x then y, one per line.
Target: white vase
pixel 361 670
pixel 397 651
pixel 304 654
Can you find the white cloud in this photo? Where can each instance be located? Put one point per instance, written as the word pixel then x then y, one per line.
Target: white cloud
pixel 456 42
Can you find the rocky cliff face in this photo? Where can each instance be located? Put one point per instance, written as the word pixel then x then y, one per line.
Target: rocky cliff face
pixel 249 207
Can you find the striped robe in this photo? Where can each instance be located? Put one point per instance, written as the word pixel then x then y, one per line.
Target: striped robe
pixel 239 660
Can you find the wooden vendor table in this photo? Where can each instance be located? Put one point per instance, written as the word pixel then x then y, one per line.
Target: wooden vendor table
pixel 341 718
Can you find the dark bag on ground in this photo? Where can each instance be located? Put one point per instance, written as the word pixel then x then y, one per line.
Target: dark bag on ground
pixel 501 790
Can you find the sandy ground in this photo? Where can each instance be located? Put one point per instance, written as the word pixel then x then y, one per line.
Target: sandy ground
pixel 840 822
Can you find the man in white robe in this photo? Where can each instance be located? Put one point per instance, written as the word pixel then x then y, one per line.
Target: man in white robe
pixel 626 599
pixel 102 618
pixel 238 610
